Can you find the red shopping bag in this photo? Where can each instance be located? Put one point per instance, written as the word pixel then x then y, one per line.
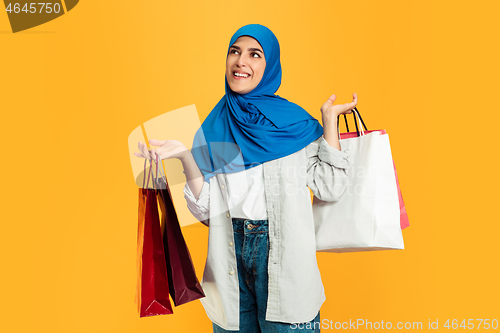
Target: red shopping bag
pixel 403 214
pixel 152 282
pixel 183 284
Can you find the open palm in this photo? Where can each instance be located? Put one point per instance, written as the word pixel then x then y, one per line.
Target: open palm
pixel 167 149
pixel 330 110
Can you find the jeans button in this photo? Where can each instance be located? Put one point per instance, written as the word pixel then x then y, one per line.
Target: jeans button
pixel 250 226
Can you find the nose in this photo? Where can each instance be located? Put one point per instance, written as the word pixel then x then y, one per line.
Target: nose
pixel 242 60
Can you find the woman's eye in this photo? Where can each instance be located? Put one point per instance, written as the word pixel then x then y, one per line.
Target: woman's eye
pixel 234 51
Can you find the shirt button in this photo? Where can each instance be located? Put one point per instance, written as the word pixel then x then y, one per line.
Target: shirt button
pixel 232 272
pixel 227 214
pixel 231 243
pixel 222 186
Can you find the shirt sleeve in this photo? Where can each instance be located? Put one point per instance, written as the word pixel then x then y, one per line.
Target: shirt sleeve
pixel 199 208
pixel 327 174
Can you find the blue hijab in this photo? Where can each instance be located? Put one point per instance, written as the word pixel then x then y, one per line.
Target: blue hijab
pixel 246 130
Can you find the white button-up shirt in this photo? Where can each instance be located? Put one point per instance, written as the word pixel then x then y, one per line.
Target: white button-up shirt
pixel 295 290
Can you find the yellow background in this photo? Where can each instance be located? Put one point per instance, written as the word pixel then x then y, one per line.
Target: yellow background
pixel 74 88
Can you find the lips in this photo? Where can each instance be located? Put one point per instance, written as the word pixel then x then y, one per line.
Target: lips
pixel 240 76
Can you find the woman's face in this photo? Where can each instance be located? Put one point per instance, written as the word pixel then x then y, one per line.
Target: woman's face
pixel 245 57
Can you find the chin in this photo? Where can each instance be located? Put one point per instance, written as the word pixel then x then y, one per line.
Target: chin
pixel 238 91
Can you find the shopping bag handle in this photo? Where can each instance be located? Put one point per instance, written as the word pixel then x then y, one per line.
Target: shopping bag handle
pixel 356 121
pixel 162 177
pixel 150 173
pixel 163 182
pixel 144 174
pixel 160 181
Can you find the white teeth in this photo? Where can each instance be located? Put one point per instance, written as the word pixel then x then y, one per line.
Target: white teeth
pixel 242 75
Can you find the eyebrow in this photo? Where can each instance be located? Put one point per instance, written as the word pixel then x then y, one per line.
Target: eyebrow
pixel 251 49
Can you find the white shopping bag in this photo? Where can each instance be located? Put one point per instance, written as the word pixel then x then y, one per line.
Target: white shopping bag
pixel 367 215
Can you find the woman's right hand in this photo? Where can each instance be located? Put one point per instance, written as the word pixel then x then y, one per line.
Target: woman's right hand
pixel 176 149
pixel 168 149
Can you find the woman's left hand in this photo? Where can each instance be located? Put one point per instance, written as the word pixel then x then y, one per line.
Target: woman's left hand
pixel 332 111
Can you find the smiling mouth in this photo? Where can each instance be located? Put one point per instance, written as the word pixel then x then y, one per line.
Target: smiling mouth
pixel 240 76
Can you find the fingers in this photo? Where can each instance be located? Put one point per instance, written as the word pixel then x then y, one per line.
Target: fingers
pixel 144 150
pixel 154 154
pixel 332 98
pixel 349 107
pixel 157 142
pixel 353 104
pixel 139 155
pixel 354 99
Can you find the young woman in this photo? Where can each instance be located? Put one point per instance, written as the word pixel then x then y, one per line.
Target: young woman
pixel 248 177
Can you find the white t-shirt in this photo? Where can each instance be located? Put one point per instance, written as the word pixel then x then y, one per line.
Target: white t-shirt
pixel 246 194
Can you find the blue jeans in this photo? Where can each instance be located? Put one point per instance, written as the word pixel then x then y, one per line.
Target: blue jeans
pixel 251 241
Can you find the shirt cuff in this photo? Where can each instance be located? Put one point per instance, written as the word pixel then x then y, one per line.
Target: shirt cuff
pixel 332 155
pixel 202 199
